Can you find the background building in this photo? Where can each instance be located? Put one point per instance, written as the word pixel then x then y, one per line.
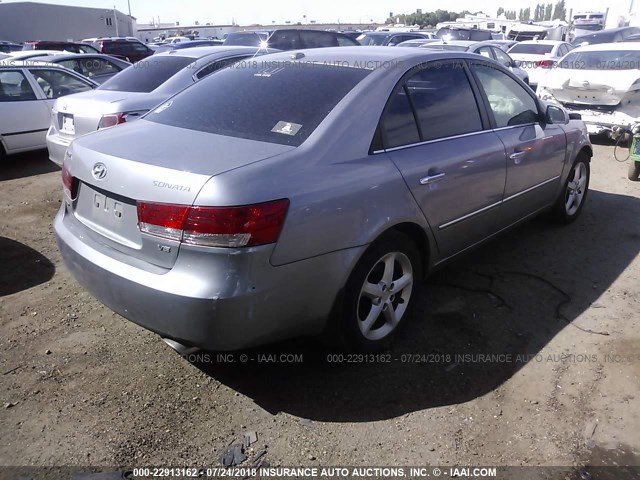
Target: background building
pixel 24 21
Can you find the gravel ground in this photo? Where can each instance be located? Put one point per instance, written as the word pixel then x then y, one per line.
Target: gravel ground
pixel 79 385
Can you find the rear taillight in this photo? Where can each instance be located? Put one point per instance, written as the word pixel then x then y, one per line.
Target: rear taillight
pixel 242 226
pixel 545 63
pixel 68 182
pixel 111 120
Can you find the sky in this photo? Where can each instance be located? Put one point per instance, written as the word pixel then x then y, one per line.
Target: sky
pixel 246 12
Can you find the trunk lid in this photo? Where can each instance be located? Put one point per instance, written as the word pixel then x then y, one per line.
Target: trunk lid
pixel 591 87
pixel 148 162
pixel 79 114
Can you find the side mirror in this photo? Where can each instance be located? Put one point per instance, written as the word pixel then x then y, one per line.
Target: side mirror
pixel 556 115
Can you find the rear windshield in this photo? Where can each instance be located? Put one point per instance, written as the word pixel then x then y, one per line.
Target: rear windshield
pixel 266 101
pixel 593 39
pixel 604 60
pixel 372 40
pixel 245 39
pixel 453 34
pixel 146 75
pixel 531 48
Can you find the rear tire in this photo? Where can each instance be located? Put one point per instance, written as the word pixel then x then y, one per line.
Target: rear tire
pixel 378 297
pixel 634 171
pixel 574 192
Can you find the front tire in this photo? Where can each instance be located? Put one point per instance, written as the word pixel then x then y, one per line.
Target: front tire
pixel 634 171
pixel 574 193
pixel 379 293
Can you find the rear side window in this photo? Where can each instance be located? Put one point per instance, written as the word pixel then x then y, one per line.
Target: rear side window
pixel 217 65
pixel 277 103
pixel 56 83
pixel 285 40
pixel 509 101
pixel 399 123
pixel 443 101
pixel 244 39
pixel 147 74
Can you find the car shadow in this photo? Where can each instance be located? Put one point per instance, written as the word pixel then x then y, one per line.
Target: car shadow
pixel 477 322
pixel 22 267
pixel 28 164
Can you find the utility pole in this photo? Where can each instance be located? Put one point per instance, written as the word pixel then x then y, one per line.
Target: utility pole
pixel 115 20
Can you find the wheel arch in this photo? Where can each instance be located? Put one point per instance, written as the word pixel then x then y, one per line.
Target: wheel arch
pixel 419 236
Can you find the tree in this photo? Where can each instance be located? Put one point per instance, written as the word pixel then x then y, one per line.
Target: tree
pixel 548 12
pixel 526 14
pixel 499 12
pixel 560 11
pixel 521 15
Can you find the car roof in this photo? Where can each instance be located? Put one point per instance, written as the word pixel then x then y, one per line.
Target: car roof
pixel 462 43
pixel 79 56
pixel 369 58
pixel 9 63
pixel 541 42
pixel 608 47
pixel 199 52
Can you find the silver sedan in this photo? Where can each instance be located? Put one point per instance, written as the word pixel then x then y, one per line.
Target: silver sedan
pixel 308 192
pixel 136 90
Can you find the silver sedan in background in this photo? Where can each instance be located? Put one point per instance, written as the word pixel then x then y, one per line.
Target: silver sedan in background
pixel 135 91
pixel 308 192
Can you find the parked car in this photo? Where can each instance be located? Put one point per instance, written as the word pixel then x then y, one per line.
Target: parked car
pixel 538 56
pixel 598 81
pixel 27 93
pixel 610 35
pixel 369 39
pixel 6 47
pixel 134 91
pixel 292 39
pixel 189 44
pixel 72 47
pixel 460 33
pixel 97 67
pixel 128 49
pixel 486 49
pixel 237 214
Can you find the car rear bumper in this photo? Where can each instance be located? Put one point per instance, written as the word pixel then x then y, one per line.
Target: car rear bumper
pixel 225 300
pixel 57 146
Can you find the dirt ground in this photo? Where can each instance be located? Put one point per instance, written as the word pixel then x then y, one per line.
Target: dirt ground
pixel 524 352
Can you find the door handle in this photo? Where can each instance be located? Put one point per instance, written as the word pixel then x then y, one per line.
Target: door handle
pixel 431 178
pixel 516 155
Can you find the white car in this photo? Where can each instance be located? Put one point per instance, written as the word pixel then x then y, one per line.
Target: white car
pixel 27 54
pixel 601 82
pixel 28 90
pixel 538 56
pixel 177 40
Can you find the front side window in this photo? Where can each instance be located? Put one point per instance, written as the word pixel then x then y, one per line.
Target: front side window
pixel 14 87
pixel 318 40
pixel 443 101
pixel 56 83
pixel 277 103
pixel 509 101
pixel 285 40
pixel 501 57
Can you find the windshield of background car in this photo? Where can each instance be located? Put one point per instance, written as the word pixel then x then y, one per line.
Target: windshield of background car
pixel 531 48
pixel 146 75
pixel 372 40
pixel 453 34
pixel 603 60
pixel 273 102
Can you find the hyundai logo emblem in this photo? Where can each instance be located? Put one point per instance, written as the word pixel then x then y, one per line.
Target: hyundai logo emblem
pixel 99 171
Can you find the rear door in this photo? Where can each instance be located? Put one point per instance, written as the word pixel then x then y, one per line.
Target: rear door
pixel 319 39
pixel 535 151
pixel 24 115
pixel 436 133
